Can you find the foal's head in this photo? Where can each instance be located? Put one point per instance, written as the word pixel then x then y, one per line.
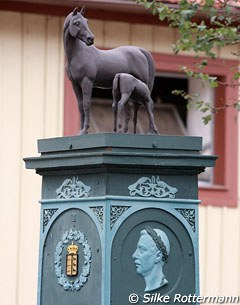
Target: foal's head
pixel 78 27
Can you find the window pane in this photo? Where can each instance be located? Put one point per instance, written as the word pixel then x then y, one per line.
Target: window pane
pixel 196 127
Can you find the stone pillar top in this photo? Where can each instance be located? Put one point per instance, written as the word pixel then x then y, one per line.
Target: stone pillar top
pixel 121 151
pixel 124 141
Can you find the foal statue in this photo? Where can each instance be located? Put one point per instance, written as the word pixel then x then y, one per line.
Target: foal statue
pixel 89 67
pixel 126 89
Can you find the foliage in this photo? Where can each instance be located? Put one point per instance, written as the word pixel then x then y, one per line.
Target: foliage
pixel 219 28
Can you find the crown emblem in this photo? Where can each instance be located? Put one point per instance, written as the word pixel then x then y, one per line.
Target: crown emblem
pixel 72 249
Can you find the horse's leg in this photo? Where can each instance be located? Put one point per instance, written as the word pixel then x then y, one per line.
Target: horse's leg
pixel 136 106
pixel 121 105
pixel 127 110
pixel 87 95
pixel 149 106
pixel 78 93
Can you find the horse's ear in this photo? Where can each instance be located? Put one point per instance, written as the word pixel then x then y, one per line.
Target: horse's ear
pixel 82 10
pixel 75 11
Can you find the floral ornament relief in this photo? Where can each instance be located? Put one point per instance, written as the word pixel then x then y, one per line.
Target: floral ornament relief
pixel 63 280
pixel 47 215
pixel 72 188
pixel 152 187
pixel 189 215
pixel 98 211
pixel 116 212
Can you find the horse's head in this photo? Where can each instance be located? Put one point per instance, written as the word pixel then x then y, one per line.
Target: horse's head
pixel 78 27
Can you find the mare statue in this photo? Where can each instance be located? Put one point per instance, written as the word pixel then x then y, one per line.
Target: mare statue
pixel 89 67
pixel 127 89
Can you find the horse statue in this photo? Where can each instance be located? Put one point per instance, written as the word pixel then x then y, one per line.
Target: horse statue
pixel 88 66
pixel 128 89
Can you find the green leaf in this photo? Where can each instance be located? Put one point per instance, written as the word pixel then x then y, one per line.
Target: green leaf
pixel 203 63
pixel 213 84
pixel 199 104
pixel 213 18
pixel 236 76
pixel 190 73
pixel 221 17
pixel 204 38
pixel 206 119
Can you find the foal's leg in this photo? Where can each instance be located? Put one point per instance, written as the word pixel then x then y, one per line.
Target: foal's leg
pixel 121 103
pixel 127 110
pixel 116 96
pixel 115 112
pixel 149 106
pixel 87 95
pixel 136 106
pixel 78 92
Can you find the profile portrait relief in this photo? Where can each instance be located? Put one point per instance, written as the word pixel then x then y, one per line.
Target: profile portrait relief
pixel 151 254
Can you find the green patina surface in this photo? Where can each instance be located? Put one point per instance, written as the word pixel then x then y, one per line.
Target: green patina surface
pixel 108 188
pixel 120 150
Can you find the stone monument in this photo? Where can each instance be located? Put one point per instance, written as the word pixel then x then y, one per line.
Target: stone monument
pixel 119 218
pixel 119 212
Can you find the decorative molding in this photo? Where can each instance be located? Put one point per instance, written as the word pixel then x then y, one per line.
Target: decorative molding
pixel 152 187
pixel 72 188
pixel 115 212
pixel 47 215
pixel 77 284
pixel 189 215
pixel 98 211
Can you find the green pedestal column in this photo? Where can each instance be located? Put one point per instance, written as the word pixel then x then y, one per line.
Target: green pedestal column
pixel 119 218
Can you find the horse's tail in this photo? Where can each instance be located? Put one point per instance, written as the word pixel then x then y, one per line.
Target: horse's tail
pixel 151 68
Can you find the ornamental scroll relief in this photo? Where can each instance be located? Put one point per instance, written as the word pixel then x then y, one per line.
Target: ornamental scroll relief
pixel 72 188
pixel 98 211
pixel 152 187
pixel 189 215
pixel 47 215
pixel 115 212
pixel 68 240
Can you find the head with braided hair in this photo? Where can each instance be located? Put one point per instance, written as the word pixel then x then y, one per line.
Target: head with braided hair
pixel 152 252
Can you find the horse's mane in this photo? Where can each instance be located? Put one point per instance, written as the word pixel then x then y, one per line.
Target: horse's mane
pixel 66 22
